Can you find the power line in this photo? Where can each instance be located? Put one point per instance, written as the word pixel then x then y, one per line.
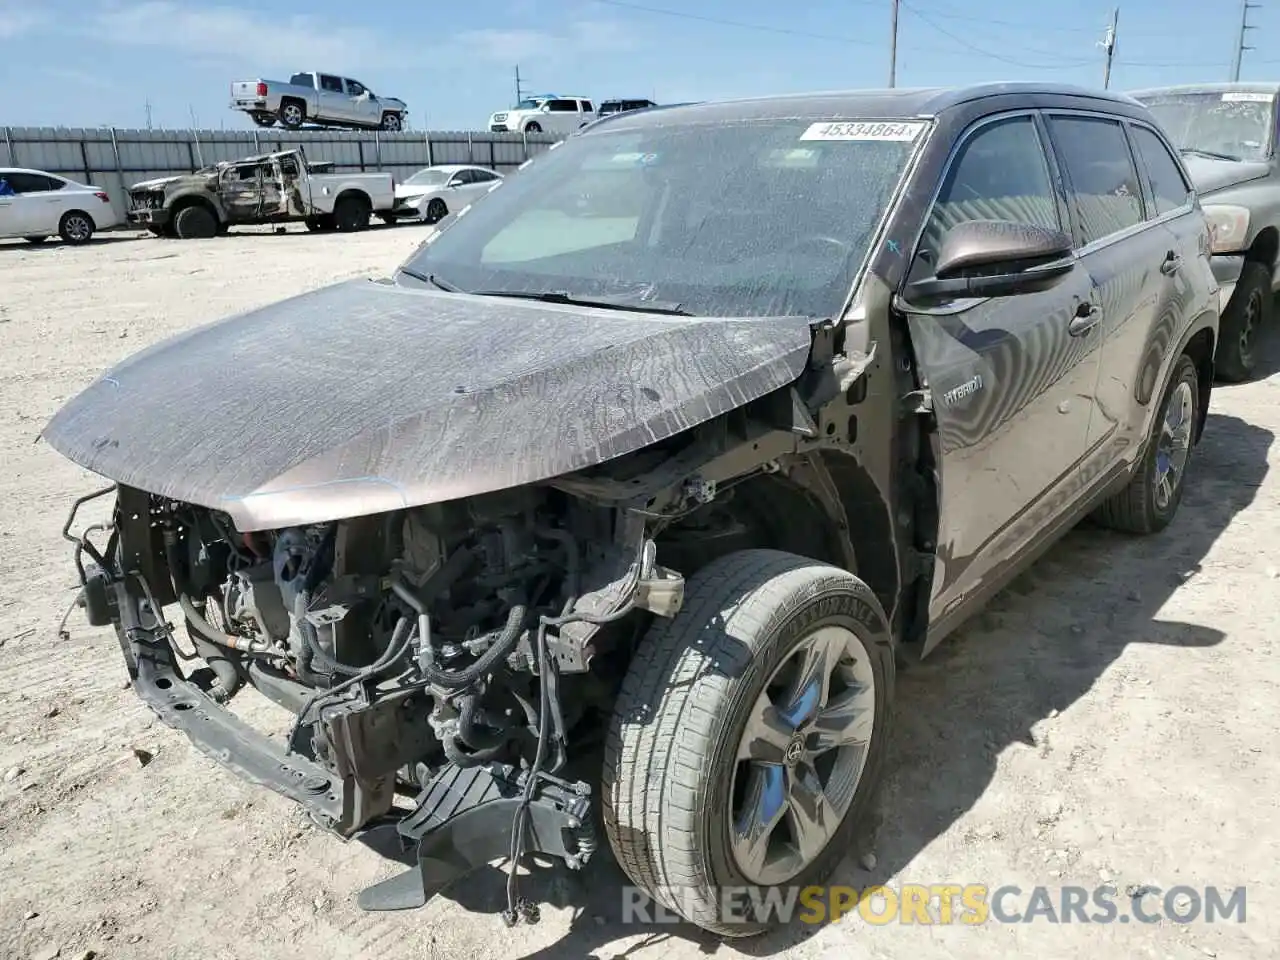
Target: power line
pixel 746 26
pixel 1062 61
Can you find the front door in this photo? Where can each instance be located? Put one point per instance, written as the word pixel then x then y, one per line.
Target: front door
pixel 1011 386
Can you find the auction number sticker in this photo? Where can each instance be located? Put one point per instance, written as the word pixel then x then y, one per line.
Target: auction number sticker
pixel 1246 98
pixel 901 131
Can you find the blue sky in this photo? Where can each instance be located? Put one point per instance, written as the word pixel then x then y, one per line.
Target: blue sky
pixel 98 62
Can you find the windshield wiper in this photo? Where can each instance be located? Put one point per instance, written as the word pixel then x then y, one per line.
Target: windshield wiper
pixel 1211 154
pixel 604 302
pixel 432 279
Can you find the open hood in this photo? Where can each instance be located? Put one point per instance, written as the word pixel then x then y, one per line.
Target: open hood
pixel 1208 174
pixel 364 397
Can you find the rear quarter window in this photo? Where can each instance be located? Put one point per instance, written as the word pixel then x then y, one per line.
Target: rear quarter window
pixel 1168 186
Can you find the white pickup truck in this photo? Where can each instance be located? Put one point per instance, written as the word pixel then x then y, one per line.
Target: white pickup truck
pixel 322 99
pixel 273 188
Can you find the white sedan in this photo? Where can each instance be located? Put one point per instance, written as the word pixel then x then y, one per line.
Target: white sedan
pixel 433 193
pixel 36 205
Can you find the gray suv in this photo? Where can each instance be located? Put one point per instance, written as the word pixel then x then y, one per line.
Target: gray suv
pixel 1226 133
pixel 666 453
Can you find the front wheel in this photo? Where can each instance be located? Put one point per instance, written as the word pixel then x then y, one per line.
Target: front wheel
pixel 1150 501
pixel 1247 317
pixel 391 122
pixel 748 737
pixel 533 127
pixel 436 211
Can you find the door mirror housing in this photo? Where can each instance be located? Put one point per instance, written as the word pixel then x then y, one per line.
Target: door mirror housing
pixel 994 258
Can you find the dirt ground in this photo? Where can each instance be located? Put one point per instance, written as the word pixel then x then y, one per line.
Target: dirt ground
pixel 1112 718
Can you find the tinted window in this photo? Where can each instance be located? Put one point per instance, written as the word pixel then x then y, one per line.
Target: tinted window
pixel 462 176
pixel 331 84
pixel 586 105
pixel 563 106
pixel 1167 184
pixel 999 173
pixel 30 182
pixel 1104 185
pixel 637 104
pixel 354 88
pixel 303 79
pixel 482 176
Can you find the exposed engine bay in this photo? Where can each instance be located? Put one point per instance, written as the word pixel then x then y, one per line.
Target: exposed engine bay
pixel 449 651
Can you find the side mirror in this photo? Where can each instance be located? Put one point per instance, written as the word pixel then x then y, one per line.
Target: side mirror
pixel 995 258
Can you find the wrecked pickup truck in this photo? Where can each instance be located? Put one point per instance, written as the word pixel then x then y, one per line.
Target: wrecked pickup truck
pixel 666 451
pixel 1227 135
pixel 273 188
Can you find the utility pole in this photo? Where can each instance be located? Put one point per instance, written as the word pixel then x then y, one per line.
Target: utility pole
pixel 1108 44
pixel 148 109
pixel 1245 7
pixel 519 87
pixel 893 48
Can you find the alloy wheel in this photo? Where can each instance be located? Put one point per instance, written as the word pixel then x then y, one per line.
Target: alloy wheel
pixel 1174 445
pixel 801 756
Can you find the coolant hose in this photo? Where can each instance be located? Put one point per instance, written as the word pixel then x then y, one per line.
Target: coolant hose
pixel 469 731
pixel 213 650
pixel 504 642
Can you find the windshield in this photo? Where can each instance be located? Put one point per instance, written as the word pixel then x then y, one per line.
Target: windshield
pixel 1233 125
pixel 529 104
pixel 428 178
pixel 729 219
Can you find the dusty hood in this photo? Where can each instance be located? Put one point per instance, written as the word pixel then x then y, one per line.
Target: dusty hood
pixel 1208 174
pixel 364 397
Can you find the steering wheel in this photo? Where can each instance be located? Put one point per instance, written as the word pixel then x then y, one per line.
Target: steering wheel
pixel 842 246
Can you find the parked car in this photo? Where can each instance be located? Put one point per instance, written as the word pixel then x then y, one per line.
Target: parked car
pixel 690 475
pixel 1226 133
pixel 272 188
pixel 36 205
pixel 323 99
pixel 609 107
pixel 433 192
pixel 544 114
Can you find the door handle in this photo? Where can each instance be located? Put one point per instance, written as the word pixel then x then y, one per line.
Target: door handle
pixel 1171 264
pixel 1085 319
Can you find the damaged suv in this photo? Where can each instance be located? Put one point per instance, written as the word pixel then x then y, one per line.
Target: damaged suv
pixel 664 451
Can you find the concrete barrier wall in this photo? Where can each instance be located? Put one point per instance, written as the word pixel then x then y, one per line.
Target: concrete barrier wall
pixel 113 158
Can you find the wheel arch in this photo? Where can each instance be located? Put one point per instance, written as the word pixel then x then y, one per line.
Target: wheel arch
pixel 182 201
pixel 353 193
pixel 1265 247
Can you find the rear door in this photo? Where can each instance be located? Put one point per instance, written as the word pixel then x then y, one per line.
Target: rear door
pixel 1133 260
pixel 334 103
pixel 1010 387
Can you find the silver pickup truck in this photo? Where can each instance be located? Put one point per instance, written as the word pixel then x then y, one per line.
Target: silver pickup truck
pixel 322 99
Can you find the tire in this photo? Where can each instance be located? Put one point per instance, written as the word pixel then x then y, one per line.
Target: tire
pixel 322 224
pixel 436 211
pixel 533 127
pixel 388 219
pixel 391 122
pixel 76 227
pixel 1147 505
pixel 672 776
pixel 292 114
pixel 264 119
pixel 351 213
pixel 1246 319
pixel 35 239
pixel 196 222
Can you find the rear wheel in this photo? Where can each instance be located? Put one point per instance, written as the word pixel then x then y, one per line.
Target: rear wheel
pixel 436 211
pixel 195 223
pixel 292 114
pixel 76 227
pixel 351 213
pixel 1246 318
pixel 1150 501
pixel 748 736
